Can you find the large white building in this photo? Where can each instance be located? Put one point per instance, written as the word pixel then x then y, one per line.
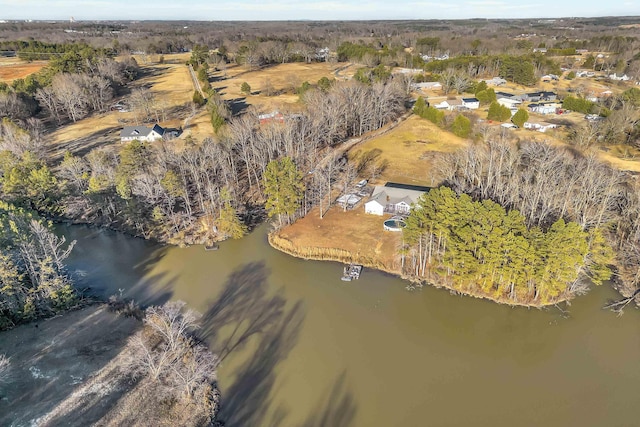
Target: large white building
pixel 393 198
pixel 141 133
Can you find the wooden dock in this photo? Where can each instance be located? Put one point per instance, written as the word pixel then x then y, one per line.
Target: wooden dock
pixel 351 272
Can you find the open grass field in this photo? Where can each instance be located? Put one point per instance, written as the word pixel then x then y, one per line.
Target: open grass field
pixel 410 150
pixel 360 234
pixel 170 83
pixel 15 68
pixel 280 80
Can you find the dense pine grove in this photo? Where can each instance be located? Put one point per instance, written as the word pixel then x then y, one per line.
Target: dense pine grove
pixel 480 248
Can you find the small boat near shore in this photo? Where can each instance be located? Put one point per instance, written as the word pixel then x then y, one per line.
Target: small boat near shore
pixel 351 272
pixel 211 247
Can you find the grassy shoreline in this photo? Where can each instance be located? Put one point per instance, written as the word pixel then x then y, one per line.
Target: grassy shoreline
pixel 288 247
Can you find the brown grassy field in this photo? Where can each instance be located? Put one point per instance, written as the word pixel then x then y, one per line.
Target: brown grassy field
pixel 281 78
pixel 170 83
pixel 410 149
pixel 361 235
pixel 15 68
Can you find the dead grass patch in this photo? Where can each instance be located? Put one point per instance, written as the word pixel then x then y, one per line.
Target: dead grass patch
pixel 15 68
pixel 342 236
pixel 170 82
pixel 282 80
pixel 410 150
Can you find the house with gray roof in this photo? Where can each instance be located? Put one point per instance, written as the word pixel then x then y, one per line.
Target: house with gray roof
pixel 393 198
pixel 141 133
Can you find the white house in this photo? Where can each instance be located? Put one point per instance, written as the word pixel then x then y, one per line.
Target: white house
pixel 449 104
pixel 623 77
pixel 544 108
pixel 510 103
pixel 409 70
pixel 393 198
pixel 444 105
pixel 496 81
pixel 549 77
pixel 539 126
pixel 471 103
pixel 141 133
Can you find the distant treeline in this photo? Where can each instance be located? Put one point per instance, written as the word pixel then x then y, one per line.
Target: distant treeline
pixel 35 49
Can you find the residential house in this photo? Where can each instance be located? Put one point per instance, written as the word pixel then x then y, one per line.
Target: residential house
pixel 510 103
pixel 501 94
pixel 428 86
pixel 441 57
pixel 393 198
pixel 584 73
pixel 544 107
pixel 540 126
pixel 471 103
pixel 623 77
pixel 274 116
pixel 322 54
pixel 408 71
pixel 496 81
pixel 549 77
pixel 141 133
pixel 539 96
pixel 449 104
pixel 539 50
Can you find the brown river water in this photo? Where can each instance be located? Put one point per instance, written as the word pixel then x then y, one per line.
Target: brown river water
pixel 302 348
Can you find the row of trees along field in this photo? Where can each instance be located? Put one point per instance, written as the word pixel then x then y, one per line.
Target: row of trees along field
pixel 480 248
pixel 77 81
pixel 196 193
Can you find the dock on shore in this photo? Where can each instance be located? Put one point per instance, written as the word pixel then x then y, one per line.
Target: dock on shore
pixel 351 272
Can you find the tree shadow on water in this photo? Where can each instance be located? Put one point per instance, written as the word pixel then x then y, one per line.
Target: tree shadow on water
pixel 336 409
pixel 246 306
pixel 247 309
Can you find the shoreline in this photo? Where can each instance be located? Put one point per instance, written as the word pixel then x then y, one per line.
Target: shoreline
pixel 343 256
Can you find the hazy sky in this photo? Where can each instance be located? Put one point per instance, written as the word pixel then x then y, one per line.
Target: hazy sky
pixel 310 9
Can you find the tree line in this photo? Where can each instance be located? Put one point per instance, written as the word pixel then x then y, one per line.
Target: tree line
pixel 546 184
pixel 478 247
pixel 205 191
pixel 34 281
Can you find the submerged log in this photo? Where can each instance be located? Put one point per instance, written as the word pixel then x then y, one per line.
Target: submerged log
pixel 618 306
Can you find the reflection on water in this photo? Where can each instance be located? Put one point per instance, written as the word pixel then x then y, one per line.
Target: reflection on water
pixel 302 348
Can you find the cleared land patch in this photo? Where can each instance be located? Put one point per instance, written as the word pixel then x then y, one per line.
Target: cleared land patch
pixel 15 68
pixel 342 234
pixel 172 87
pixel 274 87
pixel 410 150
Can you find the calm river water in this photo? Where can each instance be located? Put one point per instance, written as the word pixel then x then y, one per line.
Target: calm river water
pixel 302 348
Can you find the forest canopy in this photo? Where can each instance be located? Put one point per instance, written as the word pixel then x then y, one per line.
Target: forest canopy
pixel 478 247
